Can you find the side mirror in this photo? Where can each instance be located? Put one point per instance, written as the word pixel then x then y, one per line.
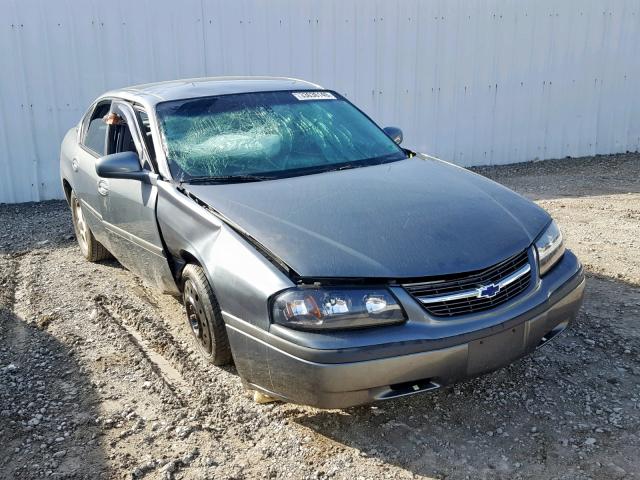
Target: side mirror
pixel 394 133
pixel 121 165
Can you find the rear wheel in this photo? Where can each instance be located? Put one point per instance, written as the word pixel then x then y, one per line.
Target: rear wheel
pixel 91 249
pixel 204 316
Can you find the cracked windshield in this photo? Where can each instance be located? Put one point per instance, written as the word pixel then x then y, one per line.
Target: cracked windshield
pixel 269 135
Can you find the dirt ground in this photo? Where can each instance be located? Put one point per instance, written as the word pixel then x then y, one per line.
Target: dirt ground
pixel 98 378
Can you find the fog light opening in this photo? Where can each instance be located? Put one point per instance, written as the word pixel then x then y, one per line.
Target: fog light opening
pixel 409 388
pixel 553 333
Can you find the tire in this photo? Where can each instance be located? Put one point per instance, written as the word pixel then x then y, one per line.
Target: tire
pixel 204 317
pixel 91 249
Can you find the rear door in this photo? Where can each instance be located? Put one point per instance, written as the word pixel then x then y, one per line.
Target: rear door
pixel 129 211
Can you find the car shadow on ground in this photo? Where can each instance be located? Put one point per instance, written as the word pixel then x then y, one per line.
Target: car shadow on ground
pixel 48 405
pixel 65 440
pixel 536 417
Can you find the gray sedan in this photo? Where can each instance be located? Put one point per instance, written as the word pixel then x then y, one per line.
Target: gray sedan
pixel 333 266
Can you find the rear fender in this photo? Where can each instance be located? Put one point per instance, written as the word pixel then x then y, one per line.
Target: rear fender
pixel 67 149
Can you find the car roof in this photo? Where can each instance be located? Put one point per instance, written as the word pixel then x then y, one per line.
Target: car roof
pixel 152 93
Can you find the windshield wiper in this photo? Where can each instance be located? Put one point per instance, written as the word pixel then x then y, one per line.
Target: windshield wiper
pixel 225 179
pixel 347 166
pixel 369 162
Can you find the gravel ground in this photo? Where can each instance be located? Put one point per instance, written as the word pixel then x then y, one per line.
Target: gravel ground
pixel 98 379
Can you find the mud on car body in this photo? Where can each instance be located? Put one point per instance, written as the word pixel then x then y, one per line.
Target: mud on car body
pixel 331 265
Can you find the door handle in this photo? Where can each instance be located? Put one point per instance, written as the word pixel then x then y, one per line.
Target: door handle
pixel 103 187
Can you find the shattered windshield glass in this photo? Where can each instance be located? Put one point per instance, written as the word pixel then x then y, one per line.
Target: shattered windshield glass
pixel 269 134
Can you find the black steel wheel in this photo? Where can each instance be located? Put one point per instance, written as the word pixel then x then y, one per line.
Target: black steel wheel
pixel 204 317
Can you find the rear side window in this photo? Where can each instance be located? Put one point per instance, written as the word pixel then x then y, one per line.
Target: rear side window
pixel 96 137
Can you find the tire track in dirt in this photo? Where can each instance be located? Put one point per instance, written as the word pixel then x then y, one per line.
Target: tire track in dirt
pixel 8 327
pixel 28 302
pixel 12 300
pixel 116 355
pixel 8 268
pixel 171 354
pixel 22 299
pixel 225 412
pixel 46 399
pixel 159 320
pixel 171 378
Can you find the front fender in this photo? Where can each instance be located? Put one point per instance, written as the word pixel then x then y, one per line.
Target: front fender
pixel 240 276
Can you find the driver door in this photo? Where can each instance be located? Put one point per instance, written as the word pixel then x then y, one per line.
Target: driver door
pixel 129 206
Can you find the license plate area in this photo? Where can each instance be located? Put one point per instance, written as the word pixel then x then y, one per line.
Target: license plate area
pixel 495 351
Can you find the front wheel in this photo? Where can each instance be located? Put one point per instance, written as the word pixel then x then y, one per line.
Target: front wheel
pixel 204 316
pixel 91 249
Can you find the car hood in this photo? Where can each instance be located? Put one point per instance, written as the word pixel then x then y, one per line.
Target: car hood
pixel 418 217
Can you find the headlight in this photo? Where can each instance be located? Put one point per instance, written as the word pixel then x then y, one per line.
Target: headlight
pixel 323 308
pixel 550 247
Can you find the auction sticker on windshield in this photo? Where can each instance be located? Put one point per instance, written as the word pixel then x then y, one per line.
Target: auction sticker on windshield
pixel 313 95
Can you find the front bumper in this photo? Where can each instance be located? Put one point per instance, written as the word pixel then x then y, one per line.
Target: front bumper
pixel 289 369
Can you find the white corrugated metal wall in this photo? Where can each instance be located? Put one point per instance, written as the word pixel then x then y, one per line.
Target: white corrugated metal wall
pixel 472 81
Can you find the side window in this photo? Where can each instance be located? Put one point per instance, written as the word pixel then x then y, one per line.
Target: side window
pixel 95 138
pixel 123 123
pixel 119 137
pixel 123 139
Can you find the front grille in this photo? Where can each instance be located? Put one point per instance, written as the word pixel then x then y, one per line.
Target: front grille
pixel 461 295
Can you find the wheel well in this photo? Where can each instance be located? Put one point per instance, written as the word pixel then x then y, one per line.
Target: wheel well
pixel 185 259
pixel 67 190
